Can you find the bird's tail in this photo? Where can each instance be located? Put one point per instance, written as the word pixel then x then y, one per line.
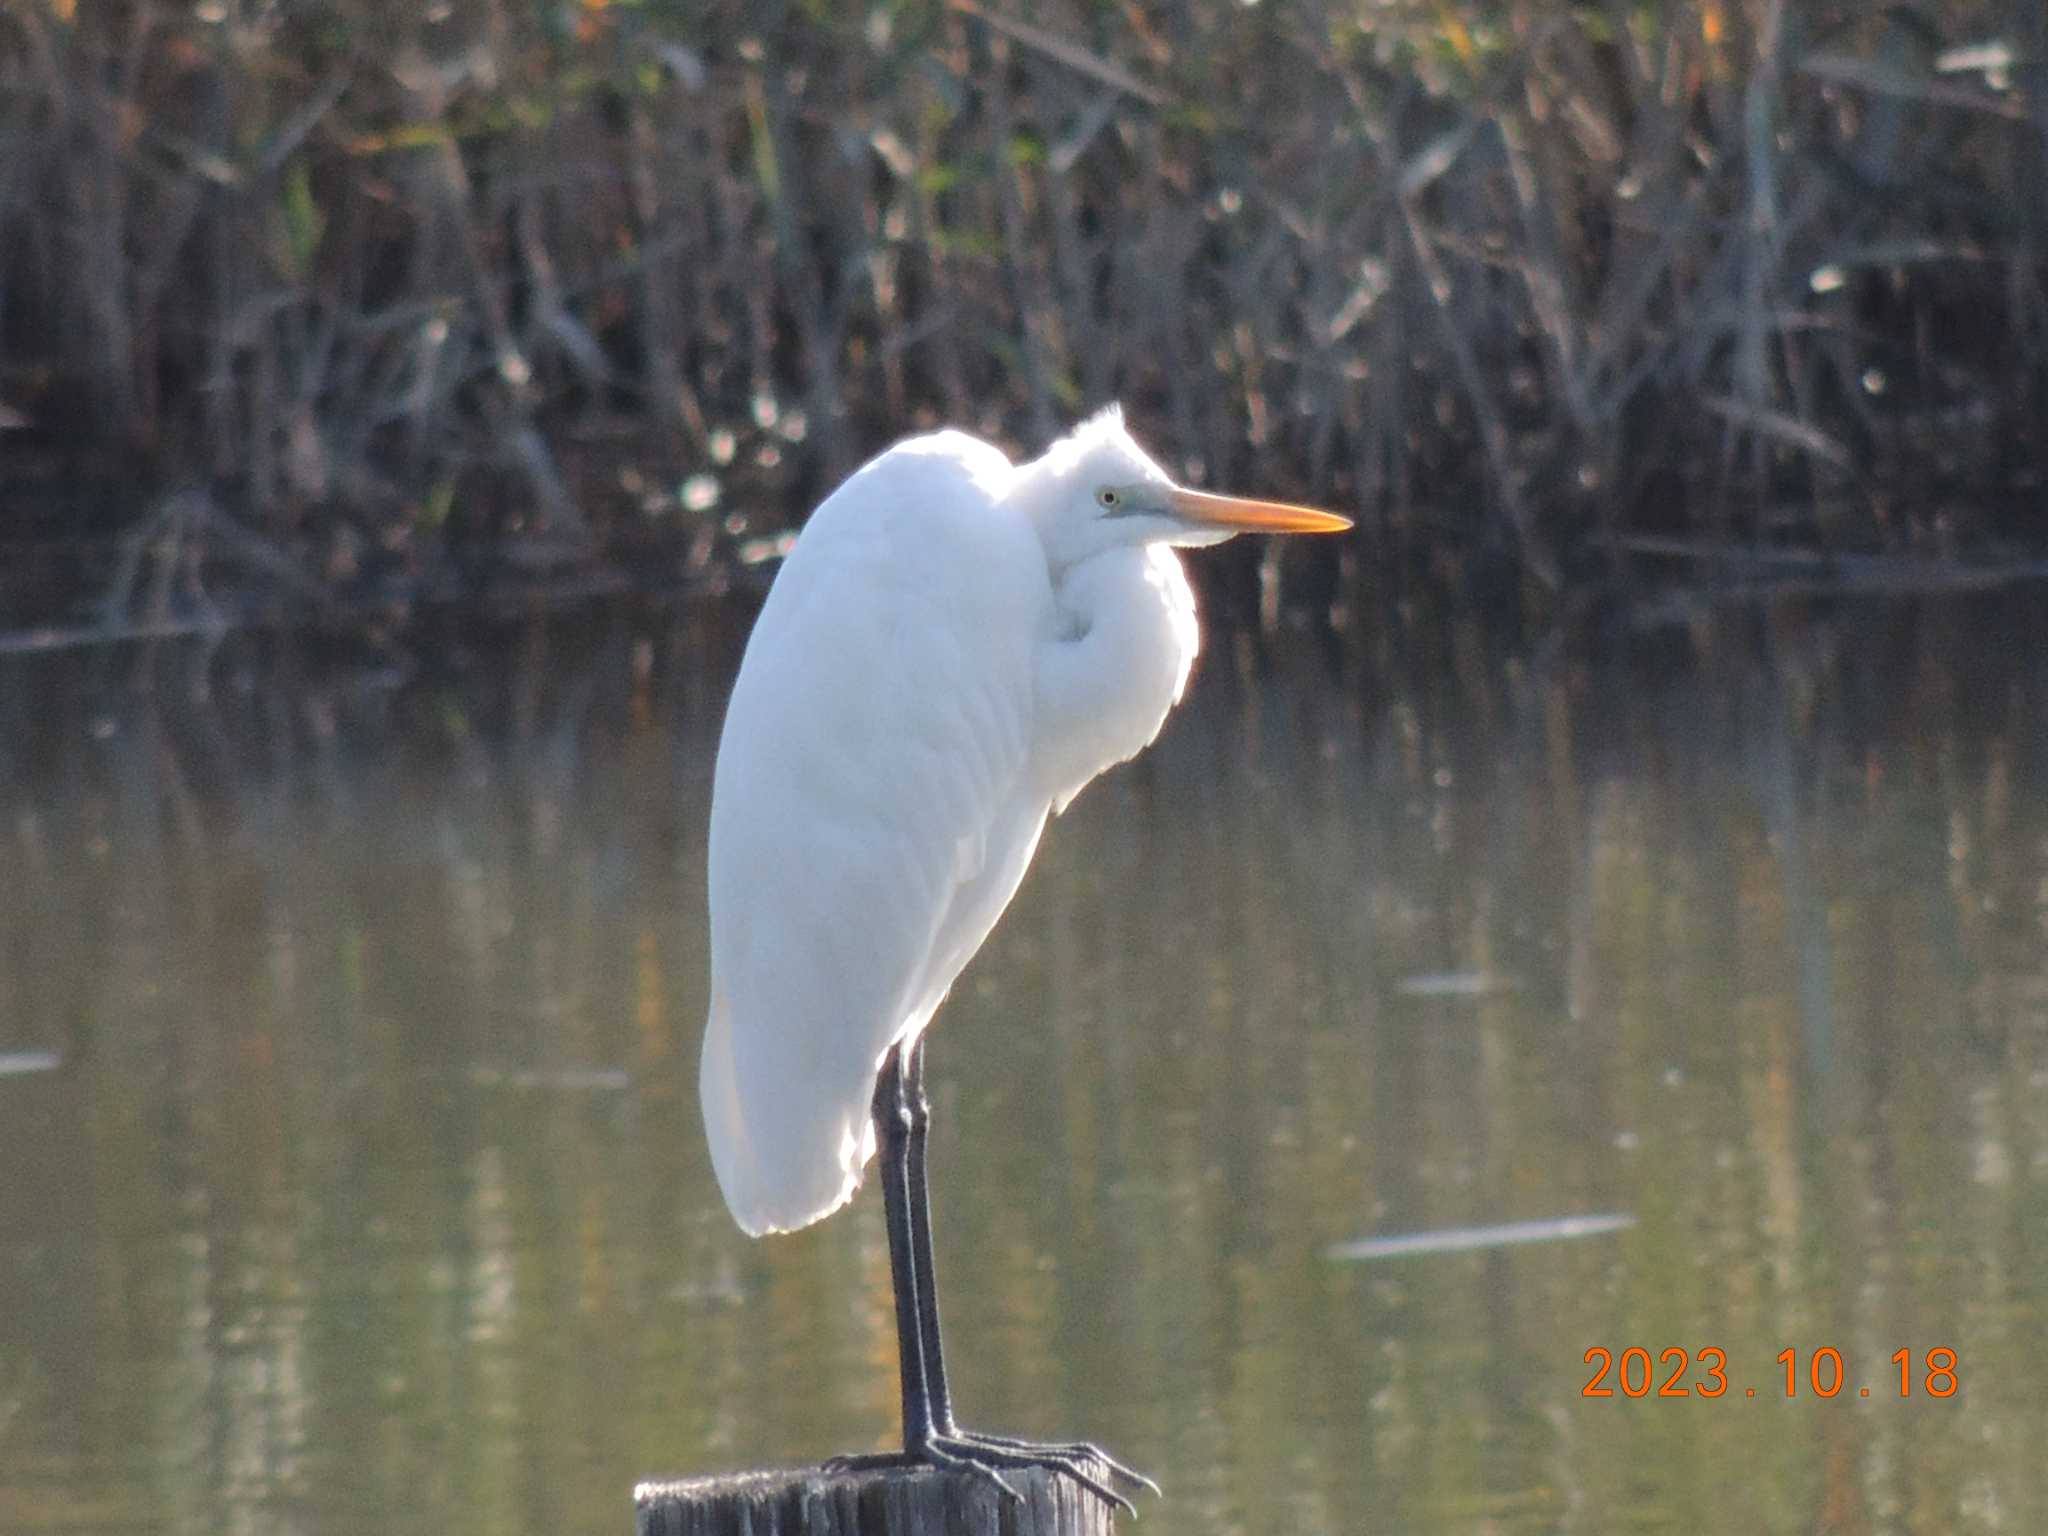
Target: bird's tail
pixel 788 1150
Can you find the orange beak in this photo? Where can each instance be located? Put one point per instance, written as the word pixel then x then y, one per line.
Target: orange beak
pixel 1243 515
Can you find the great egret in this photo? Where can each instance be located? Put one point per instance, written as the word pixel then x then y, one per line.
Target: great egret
pixel 954 648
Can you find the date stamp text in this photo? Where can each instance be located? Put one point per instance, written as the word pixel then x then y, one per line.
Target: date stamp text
pixel 1679 1372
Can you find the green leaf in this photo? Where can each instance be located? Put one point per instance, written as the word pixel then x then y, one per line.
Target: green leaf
pixel 304 223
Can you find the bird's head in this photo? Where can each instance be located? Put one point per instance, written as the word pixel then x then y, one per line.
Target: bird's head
pixel 1096 489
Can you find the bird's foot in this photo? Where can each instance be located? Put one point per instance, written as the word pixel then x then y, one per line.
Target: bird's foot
pixel 1048 1452
pixel 988 1456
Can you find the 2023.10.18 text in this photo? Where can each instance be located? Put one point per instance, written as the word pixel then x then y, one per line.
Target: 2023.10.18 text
pixel 1820 1372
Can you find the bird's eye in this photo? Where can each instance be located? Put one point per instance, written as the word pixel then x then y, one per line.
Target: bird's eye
pixel 1107 497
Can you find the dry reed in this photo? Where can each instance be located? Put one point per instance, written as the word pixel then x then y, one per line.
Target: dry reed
pixel 415 300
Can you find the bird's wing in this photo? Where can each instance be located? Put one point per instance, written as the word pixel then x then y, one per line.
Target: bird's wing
pixel 866 824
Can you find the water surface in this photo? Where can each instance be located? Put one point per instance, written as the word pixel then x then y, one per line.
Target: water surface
pixel 351 1179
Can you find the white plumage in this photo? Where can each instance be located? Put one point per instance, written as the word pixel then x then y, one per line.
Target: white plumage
pixel 953 649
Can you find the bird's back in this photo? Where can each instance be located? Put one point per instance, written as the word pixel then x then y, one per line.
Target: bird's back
pixel 867 820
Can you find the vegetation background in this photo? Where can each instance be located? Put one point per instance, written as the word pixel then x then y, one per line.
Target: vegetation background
pixel 334 309
pixel 349 1013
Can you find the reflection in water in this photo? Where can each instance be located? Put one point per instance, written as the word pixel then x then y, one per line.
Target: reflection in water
pixel 1503 1234
pixel 359 1185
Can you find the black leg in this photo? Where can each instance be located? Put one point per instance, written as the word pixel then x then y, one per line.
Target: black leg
pixel 902 1117
pixel 893 1132
pixel 918 1107
pixel 927 1436
pixel 919 1111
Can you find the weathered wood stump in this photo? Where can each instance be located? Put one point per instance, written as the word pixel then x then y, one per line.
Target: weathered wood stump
pixel 893 1501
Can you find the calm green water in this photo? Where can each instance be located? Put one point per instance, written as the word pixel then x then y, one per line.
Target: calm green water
pixel 368 1194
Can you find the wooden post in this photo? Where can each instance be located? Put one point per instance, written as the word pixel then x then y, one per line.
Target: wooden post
pixel 892 1501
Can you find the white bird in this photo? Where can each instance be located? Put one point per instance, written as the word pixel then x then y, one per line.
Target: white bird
pixel 955 646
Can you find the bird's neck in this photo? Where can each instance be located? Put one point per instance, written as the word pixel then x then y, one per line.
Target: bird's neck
pixel 1122 641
